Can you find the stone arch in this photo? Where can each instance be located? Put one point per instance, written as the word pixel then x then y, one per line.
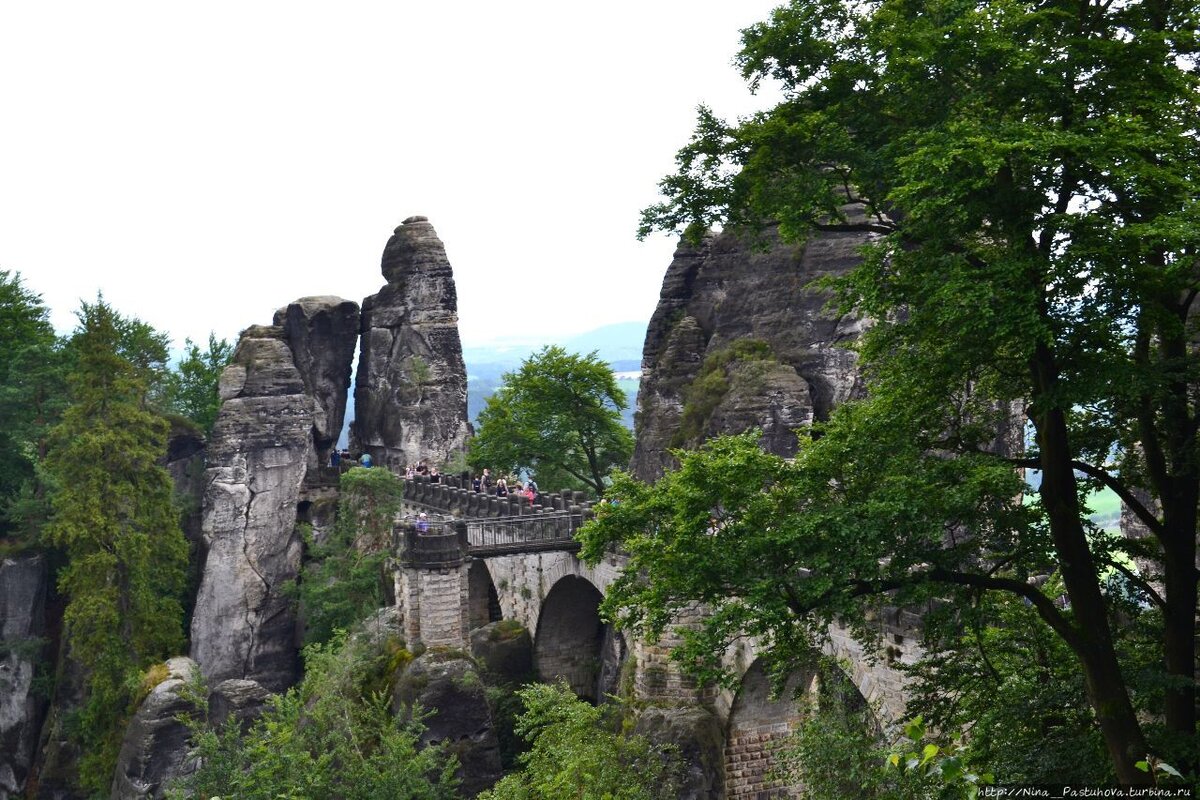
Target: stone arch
pixel 759 724
pixel 483 603
pixel 571 639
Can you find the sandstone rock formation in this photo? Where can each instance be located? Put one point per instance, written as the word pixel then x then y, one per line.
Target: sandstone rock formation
pixel 244 623
pixel 448 685
pixel 696 734
pixel 155 749
pixel 727 294
pixel 185 464
pixel 22 613
pixel 238 699
pixel 411 389
pixel 505 651
pixel 322 333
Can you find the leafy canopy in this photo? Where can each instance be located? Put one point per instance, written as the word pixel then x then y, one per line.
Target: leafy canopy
pixel 33 368
pixel 573 754
pixel 1031 175
pixel 191 388
pixel 558 417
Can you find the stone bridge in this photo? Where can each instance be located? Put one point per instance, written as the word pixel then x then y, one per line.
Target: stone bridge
pixel 518 562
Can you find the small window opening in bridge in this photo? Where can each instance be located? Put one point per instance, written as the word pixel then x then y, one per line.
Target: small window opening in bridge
pixel 482 600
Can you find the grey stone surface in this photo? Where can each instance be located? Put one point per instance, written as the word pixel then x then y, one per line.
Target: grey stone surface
pixel 410 393
pixel 236 698
pixel 448 685
pixel 696 734
pixel 505 650
pixel 23 584
pixel 727 289
pixel 155 749
pixel 322 333
pixel 244 623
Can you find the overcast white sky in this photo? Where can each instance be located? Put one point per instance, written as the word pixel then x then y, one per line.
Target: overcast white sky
pixel 206 163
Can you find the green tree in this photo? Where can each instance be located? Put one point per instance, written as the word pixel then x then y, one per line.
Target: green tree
pixel 1031 172
pixel 32 396
pixel 113 517
pixel 345 580
pixel 331 736
pixel 557 417
pixel 574 754
pixel 191 388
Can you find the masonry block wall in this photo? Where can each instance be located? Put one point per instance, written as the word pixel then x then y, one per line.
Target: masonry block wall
pixel 758 726
pixel 434 606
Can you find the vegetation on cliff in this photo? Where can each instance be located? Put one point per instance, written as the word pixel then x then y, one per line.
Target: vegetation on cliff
pixel 575 753
pixel 334 735
pixel 114 518
pixel 344 581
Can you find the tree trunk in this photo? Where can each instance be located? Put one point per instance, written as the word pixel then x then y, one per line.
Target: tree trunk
pixel 1092 644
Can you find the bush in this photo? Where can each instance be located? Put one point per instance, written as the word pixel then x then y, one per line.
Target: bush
pixel 327 737
pixel 575 753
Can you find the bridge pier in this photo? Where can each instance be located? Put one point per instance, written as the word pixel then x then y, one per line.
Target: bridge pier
pixel 432 588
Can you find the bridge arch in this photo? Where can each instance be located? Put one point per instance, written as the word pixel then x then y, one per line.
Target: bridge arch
pixel 760 722
pixel 572 642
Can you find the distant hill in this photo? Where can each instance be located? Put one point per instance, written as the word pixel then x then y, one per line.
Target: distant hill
pixel 620 342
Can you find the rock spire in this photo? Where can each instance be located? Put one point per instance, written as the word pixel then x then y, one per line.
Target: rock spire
pixel 410 394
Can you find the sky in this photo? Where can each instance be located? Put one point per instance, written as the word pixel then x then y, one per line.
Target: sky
pixel 206 163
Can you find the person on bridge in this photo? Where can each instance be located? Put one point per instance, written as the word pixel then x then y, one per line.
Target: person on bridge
pixel 422 523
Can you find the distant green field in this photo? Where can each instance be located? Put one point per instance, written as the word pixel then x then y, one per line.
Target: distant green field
pixel 1106 509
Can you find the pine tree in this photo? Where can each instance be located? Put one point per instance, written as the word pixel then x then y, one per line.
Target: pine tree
pixel 114 518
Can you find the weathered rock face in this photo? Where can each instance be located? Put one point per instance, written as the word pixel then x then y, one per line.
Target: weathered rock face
pixel 244 624
pixel 238 699
pixel 450 687
pixel 322 333
pixel 410 394
pixel 185 464
pixel 23 586
pixel 57 766
pixel 727 291
pixel 505 650
pixel 155 749
pixel 696 734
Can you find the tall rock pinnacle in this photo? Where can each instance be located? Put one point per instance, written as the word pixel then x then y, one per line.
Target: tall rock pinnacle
pixel 410 394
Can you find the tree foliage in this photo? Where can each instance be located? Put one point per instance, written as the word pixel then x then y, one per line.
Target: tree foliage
pixel 113 517
pixel 557 417
pixel 1031 174
pixel 573 754
pixel 32 396
pixel 191 388
pixel 331 736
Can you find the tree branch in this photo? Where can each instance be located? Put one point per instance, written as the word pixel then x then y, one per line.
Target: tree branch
pixel 1109 480
pixel 1138 581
